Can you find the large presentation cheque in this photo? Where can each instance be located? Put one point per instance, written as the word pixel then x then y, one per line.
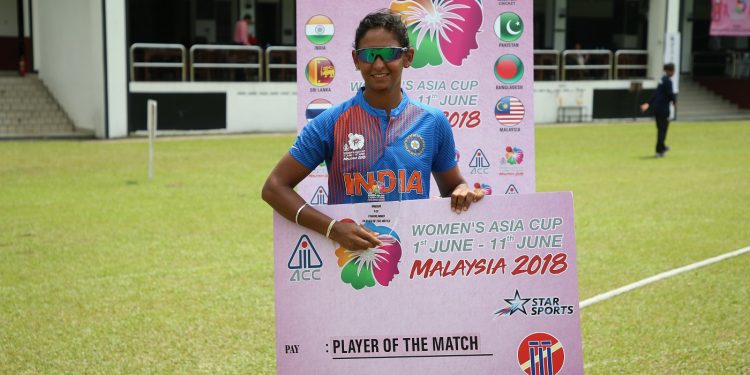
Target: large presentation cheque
pixel 492 290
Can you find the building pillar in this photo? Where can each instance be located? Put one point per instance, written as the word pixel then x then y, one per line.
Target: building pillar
pixel 663 17
pixel 687 36
pixel 561 19
pixel 549 19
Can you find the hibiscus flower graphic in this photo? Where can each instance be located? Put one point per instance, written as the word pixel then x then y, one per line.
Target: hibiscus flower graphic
pixel 440 30
pixel 366 267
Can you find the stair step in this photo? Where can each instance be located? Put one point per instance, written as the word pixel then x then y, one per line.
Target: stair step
pixel 28 110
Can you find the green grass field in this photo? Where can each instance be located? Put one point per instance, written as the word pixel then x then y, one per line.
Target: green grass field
pixel 102 271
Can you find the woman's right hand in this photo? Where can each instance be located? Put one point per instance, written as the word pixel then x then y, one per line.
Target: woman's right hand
pixel 353 236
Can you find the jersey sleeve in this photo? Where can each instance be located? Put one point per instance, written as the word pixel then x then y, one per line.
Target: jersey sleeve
pixel 445 146
pixel 314 142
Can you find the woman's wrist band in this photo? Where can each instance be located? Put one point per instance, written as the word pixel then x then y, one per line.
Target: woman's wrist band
pixel 296 216
pixel 330 226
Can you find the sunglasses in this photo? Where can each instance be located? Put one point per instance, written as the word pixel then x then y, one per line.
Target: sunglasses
pixel 388 54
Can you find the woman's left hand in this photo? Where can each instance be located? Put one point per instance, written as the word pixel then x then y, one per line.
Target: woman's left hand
pixel 462 197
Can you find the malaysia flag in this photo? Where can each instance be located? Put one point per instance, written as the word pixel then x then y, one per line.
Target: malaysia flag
pixel 509 111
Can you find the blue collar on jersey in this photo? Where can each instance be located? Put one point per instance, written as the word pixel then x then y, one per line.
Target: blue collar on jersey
pixel 360 99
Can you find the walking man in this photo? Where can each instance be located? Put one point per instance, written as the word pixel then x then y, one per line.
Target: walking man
pixel 659 105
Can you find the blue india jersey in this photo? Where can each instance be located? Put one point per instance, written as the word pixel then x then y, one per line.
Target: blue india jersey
pixel 371 157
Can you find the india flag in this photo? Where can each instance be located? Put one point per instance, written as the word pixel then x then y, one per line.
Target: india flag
pixel 319 29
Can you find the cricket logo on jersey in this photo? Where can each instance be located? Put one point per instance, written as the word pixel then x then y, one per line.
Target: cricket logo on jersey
pixel 354 148
pixel 414 144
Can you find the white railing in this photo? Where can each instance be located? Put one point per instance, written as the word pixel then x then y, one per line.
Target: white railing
pixel 577 60
pixel 546 60
pixel 624 59
pixel 151 50
pixel 548 64
pixel 234 60
pixel 270 51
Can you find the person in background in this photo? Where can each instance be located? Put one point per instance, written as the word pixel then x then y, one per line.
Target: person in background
pixel 659 105
pixel 241 34
pixel 380 132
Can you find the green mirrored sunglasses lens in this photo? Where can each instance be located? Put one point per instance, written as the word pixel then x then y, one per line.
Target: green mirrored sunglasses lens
pixel 388 54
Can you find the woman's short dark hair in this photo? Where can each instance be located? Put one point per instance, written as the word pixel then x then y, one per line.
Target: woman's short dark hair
pixel 384 19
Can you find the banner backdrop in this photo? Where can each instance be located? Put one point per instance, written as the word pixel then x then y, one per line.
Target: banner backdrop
pixel 492 290
pixel 473 59
pixel 730 18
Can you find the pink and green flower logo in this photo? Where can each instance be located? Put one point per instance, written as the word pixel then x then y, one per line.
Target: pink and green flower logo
pixel 378 265
pixel 440 30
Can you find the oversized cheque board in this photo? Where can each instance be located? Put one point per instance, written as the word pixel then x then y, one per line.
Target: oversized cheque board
pixel 492 290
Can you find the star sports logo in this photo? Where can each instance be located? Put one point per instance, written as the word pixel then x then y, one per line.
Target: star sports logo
pixel 373 266
pixel 516 304
pixel 440 30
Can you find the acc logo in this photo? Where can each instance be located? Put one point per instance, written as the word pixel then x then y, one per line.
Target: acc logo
pixel 541 354
pixel 305 261
pixel 479 163
pixel 511 189
pixel 378 265
pixel 441 31
pixel 414 144
pixel 320 197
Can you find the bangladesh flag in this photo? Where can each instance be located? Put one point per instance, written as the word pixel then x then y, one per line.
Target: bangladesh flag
pixel 508 69
pixel 319 29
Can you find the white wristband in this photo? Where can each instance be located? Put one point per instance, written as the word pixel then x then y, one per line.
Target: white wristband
pixel 330 226
pixel 296 216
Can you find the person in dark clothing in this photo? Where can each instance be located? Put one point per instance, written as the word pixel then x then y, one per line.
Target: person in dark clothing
pixel 659 105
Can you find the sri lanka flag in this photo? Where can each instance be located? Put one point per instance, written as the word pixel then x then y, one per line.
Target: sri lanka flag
pixel 320 71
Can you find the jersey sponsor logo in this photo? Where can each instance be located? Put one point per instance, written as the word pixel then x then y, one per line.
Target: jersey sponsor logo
pixel 354 148
pixel 386 181
pixel 414 144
